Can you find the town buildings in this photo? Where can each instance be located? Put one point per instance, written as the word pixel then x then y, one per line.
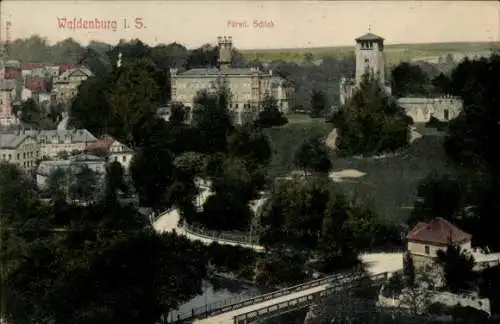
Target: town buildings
pixel 8 89
pixel 20 149
pixel 71 166
pixel 426 239
pixel 65 87
pixel 370 58
pixel 248 86
pixel 53 142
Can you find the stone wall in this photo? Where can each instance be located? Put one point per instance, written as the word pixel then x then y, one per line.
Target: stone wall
pixel 421 109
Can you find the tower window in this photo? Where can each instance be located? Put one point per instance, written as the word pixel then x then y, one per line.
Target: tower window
pixel 446 114
pixel 367 60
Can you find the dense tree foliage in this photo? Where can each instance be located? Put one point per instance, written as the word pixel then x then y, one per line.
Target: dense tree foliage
pixel 282 269
pixel 270 114
pixel 371 122
pixel 457 268
pixel 115 181
pixel 313 156
pixel 438 195
pixel 212 120
pixel 105 252
pixel 309 215
pixel 473 135
pixel 318 104
pixel 471 143
pixel 151 167
pixel 409 80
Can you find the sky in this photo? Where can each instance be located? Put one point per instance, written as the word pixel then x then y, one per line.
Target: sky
pixel 279 24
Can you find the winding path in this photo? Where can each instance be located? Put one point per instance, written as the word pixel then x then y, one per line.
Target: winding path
pixel 169 222
pixel 377 263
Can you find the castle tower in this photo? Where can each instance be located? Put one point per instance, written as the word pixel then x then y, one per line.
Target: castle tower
pixel 225 51
pixel 370 57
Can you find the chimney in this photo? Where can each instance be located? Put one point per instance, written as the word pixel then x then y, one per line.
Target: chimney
pixel 225 45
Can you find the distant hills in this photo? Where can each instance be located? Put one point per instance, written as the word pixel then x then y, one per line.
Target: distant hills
pixel 395 53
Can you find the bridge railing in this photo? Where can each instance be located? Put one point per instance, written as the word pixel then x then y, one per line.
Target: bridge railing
pixel 306 300
pixel 227 305
pixel 232 237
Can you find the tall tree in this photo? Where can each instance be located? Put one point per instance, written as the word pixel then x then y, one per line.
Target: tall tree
pixel 313 156
pixel 90 108
pixel 211 118
pixel 371 122
pixel 30 112
pixel 115 178
pixel 151 167
pixel 457 268
pixel 84 186
pixel 409 80
pixel 269 114
pixel 438 196
pixel 132 100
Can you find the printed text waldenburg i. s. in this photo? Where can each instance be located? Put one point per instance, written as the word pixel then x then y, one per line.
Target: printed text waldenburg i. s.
pixel 99 24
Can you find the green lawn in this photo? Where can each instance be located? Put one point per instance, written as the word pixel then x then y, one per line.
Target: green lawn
pixel 286 139
pixel 389 184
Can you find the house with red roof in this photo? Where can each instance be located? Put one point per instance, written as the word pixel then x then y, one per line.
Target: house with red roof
pixel 426 239
pixel 114 150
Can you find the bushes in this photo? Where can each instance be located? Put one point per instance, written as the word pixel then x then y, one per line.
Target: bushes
pixel 370 122
pixel 227 258
pixel 436 123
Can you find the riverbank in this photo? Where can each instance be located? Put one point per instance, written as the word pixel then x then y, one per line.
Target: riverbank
pixel 214 290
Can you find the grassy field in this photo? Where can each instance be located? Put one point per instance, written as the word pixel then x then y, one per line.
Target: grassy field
pixel 389 184
pixel 394 53
pixel 286 139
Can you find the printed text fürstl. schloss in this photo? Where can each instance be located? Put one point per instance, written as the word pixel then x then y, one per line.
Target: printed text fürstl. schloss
pixel 99 24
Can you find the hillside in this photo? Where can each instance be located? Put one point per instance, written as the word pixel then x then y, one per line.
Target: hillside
pixel 395 53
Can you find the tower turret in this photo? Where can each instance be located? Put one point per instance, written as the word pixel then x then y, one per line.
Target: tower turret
pixel 225 44
pixel 370 57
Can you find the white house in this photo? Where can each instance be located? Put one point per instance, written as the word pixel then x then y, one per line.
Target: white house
pixel 115 151
pixel 426 239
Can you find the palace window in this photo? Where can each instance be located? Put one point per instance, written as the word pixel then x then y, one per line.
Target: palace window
pixel 446 114
pixel 427 250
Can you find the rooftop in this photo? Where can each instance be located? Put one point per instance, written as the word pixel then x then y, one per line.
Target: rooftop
pixel 214 71
pixel 8 84
pixel 74 135
pixel 67 73
pixel 369 37
pixel 11 141
pixel 103 144
pixel 438 231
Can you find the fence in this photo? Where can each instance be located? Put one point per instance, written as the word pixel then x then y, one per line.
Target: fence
pixel 232 237
pixel 303 301
pixel 230 304
pixel 384 249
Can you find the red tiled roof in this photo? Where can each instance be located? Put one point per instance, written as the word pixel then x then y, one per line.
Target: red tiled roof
pixel 37 83
pixel 12 73
pixel 103 144
pixel 438 231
